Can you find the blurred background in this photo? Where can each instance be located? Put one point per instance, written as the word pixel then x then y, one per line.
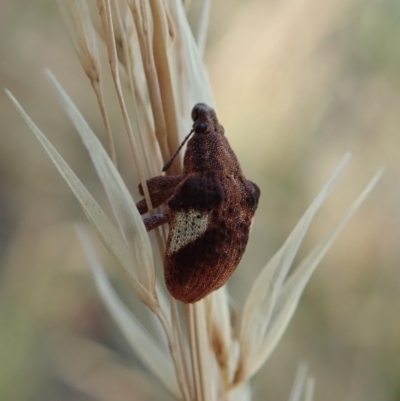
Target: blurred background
pixel 298 83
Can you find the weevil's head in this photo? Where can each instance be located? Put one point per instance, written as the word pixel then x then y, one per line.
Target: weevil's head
pixel 205 120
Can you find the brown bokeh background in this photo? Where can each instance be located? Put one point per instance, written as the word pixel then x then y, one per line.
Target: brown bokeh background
pixel 298 83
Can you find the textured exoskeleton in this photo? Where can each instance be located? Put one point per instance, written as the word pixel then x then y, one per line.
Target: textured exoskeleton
pixel 210 208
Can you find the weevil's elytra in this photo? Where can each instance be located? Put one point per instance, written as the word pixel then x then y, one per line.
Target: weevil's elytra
pixel 210 208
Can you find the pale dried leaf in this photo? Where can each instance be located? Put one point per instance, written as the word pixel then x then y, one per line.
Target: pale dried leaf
pixel 220 331
pixel 302 274
pixel 104 8
pixel 301 386
pixel 79 24
pixel 105 229
pixel 190 74
pixel 203 352
pixel 100 374
pixel 129 220
pixel 129 55
pixel 138 89
pixel 144 26
pixel 289 297
pixel 162 41
pixel 261 300
pixel 240 393
pixel 149 351
pixel 204 17
pixel 309 391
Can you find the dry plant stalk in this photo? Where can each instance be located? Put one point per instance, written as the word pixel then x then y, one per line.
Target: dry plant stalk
pixel 155 60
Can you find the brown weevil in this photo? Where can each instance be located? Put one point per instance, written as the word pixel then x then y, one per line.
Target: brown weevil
pixel 210 208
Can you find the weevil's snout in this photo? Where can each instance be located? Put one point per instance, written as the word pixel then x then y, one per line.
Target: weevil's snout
pixel 204 119
pixel 200 111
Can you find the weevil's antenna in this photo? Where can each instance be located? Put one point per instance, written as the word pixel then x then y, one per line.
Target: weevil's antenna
pixel 169 163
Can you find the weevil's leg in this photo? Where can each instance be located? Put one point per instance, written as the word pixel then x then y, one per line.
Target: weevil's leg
pixel 162 183
pixel 156 200
pixel 156 220
pixel 160 188
pixel 253 194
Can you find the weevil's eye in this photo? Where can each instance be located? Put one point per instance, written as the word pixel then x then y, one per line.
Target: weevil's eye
pixel 200 128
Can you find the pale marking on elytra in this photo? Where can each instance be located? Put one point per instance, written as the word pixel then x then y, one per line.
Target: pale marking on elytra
pixel 187 227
